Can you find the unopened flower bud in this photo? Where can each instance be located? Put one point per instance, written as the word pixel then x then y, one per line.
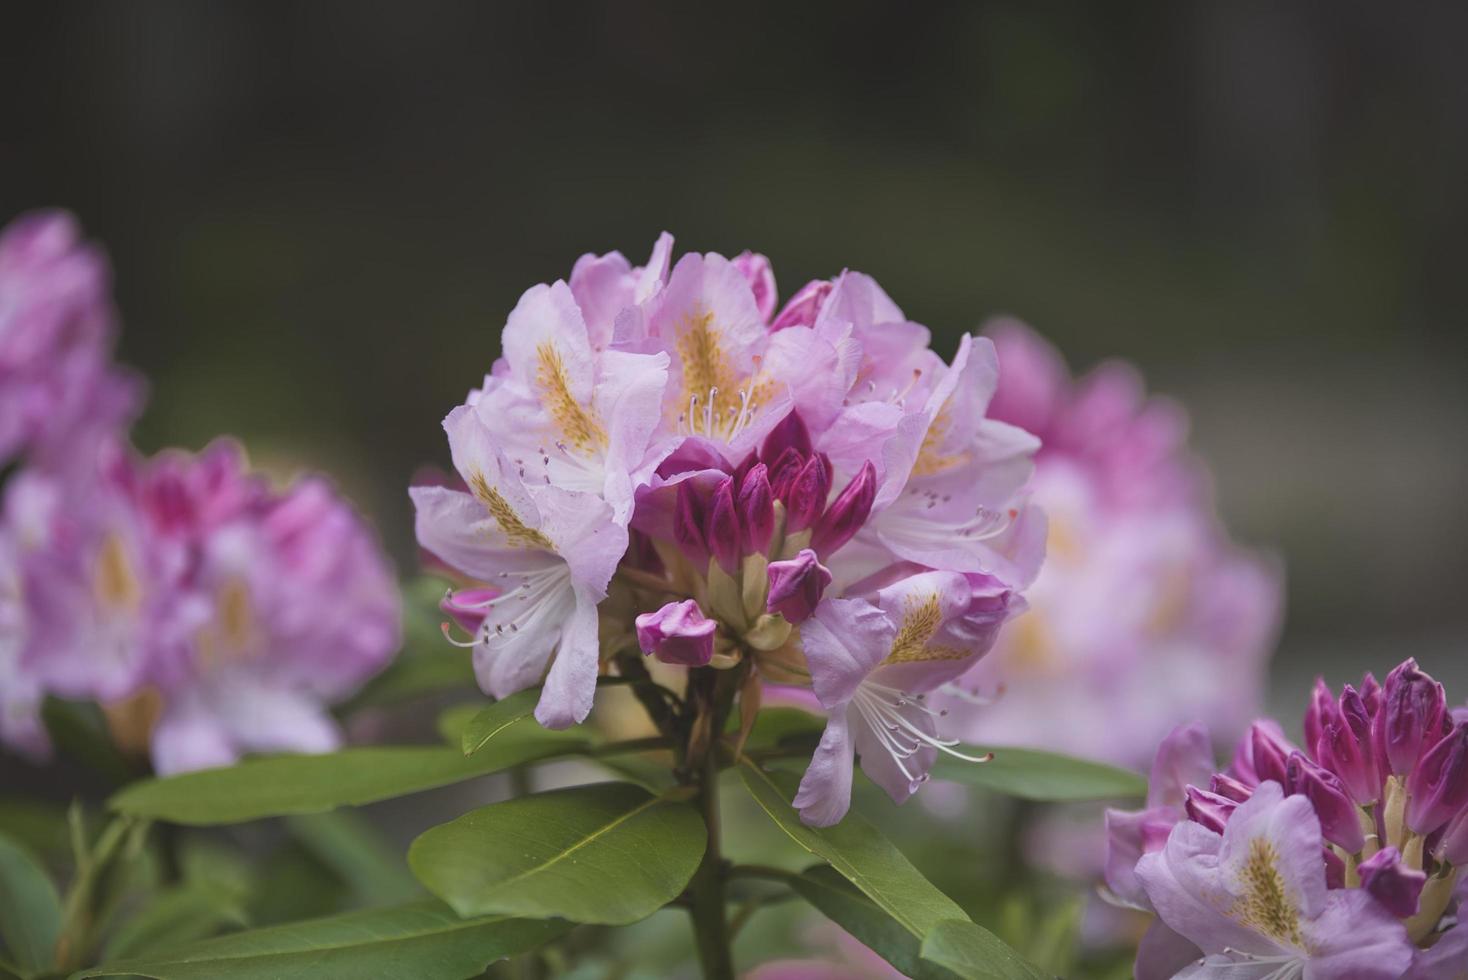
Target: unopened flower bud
pixel 1453 847
pixel 796 586
pixel 688 525
pixel 804 306
pixel 678 633
pixel 1345 748
pixel 1322 712
pixel 789 433
pixel 848 513
pixel 1261 754
pixel 1437 789
pixel 756 509
pixel 724 537
pixel 1413 706
pixel 1208 809
pixel 1392 883
pixel 468 607
pixel 1229 788
pixel 756 269
pixel 1339 822
pixel 807 496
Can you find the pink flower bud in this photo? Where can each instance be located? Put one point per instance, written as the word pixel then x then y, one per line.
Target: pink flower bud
pixel 1322 711
pixel 849 512
pixel 1437 789
pixel 796 586
pixel 1392 883
pixel 756 509
pixel 789 433
pixel 1262 754
pixel 1345 748
pixel 804 306
pixel 807 497
pixel 1412 717
pixel 723 534
pixel 1339 823
pixel 756 268
pixel 688 525
pixel 1453 847
pixel 1208 809
pixel 468 607
pixel 678 633
pixel 1229 788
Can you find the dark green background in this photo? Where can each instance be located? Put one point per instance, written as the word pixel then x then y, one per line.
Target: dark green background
pixel 320 214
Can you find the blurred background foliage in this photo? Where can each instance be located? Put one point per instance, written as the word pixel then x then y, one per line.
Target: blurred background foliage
pixel 320 214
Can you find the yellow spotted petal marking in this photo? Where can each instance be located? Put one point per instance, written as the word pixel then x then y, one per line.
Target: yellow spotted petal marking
pixel 717 401
pixel 517 531
pixel 579 426
pixel 1265 906
pixel 931 460
pixel 114 584
pixel 702 357
pixel 919 625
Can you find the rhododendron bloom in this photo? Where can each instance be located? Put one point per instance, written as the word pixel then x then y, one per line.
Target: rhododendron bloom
pixel 1144 616
pixel 1292 864
pixel 209 615
pixel 59 393
pixel 665 462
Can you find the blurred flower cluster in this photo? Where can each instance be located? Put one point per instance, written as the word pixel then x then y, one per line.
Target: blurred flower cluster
pixel 207 613
pixel 666 460
pixel 1338 859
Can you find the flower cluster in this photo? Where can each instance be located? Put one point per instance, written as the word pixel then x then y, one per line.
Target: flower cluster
pixel 1338 859
pixel 1144 616
pixel 59 391
pixel 665 460
pixel 208 614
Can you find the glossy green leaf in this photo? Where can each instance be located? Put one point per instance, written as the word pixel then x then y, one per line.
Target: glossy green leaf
pixel 605 853
pixel 870 862
pixel 425 941
pixel 30 909
pixel 841 902
pixel 969 951
pixel 290 784
pixel 495 718
pixel 176 917
pixel 348 844
pixel 1045 777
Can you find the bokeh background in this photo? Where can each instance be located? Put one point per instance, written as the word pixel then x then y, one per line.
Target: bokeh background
pixel 320 214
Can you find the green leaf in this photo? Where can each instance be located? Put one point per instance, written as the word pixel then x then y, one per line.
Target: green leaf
pixel 871 863
pixel 842 903
pixel 290 784
pixel 30 909
pixel 425 941
pixel 175 917
pixel 1045 777
pixel 968 950
pixel 352 848
pixel 607 853
pixel 499 716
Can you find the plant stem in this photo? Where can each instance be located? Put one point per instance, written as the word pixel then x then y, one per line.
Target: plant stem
pixel 706 890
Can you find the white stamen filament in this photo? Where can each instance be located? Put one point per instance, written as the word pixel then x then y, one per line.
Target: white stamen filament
pixel 881 707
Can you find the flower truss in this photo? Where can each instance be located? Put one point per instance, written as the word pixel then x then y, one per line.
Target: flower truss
pixel 663 460
pixel 1339 859
pixel 1144 616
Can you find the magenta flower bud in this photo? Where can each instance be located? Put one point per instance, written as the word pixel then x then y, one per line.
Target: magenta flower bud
pixel 1335 868
pixel 848 513
pixel 1322 712
pixel 724 537
pixel 1229 788
pixel 1345 748
pixel 1453 847
pixel 807 497
pixel 1370 693
pixel 756 509
pixel 1411 718
pixel 756 269
pixel 1437 789
pixel 688 525
pixel 789 433
pixel 1339 823
pixel 678 633
pixel 804 306
pixel 468 607
pixel 1392 883
pixel 1268 752
pixel 783 472
pixel 796 586
pixel 1208 809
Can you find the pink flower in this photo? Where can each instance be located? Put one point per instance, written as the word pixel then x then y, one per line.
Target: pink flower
pixel 60 396
pixel 1144 615
pixel 678 633
pixel 1286 864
